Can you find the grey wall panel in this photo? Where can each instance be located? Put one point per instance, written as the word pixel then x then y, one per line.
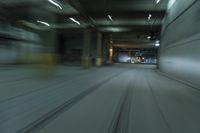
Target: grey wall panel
pixel 179 54
pixel 184 26
pixel 178 7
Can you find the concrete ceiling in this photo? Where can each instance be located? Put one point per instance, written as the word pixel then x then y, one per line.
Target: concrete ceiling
pixel 129 16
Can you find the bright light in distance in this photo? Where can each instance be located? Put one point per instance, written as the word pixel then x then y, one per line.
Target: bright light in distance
pixel 157 44
pixel 56 3
pixel 111 52
pixel 157 41
pixel 44 23
pixel 109 16
pixel 149 37
pixel 157 1
pixel 75 21
pixel 149 17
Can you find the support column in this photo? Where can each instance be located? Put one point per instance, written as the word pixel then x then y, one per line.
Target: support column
pixel 110 54
pixel 105 50
pixel 99 59
pixel 86 57
pixel 129 56
pixel 44 42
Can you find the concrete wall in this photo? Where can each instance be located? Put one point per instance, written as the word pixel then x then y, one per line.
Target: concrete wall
pixel 17 44
pixel 73 45
pixel 73 49
pixel 179 54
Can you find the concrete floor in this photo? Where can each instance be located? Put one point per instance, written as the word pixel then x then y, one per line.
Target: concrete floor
pixel 122 98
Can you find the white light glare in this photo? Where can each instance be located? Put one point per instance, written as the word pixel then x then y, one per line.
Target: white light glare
pixel 157 41
pixel 149 17
pixel 109 16
pixel 171 3
pixel 157 1
pixel 149 37
pixel 44 23
pixel 115 29
pixel 56 3
pixel 75 21
pixel 157 44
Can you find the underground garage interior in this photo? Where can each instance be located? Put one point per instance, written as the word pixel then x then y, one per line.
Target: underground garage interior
pixel 99 66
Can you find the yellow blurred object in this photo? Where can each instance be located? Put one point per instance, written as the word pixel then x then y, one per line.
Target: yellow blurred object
pixel 45 64
pixel 49 59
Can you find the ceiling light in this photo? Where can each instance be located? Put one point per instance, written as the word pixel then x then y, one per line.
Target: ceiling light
pixel 157 41
pixel 157 1
pixel 149 17
pixel 75 21
pixel 149 37
pixel 157 44
pixel 56 3
pixel 44 23
pixel 109 16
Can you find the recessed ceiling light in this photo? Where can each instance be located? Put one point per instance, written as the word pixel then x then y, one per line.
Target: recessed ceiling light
pixel 157 44
pixel 42 22
pixel 149 17
pixel 149 37
pixel 75 21
pixel 157 41
pixel 109 16
pixel 56 3
pixel 157 1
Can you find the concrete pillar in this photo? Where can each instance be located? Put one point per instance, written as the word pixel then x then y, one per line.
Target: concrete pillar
pixel 110 54
pixel 48 36
pixel 86 57
pixel 105 50
pixel 99 59
pixel 129 55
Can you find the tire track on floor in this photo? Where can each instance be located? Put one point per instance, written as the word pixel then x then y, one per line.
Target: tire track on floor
pixel 48 117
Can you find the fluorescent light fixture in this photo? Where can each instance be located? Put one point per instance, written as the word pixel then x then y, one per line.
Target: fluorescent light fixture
pixel 75 21
pixel 109 16
pixel 115 29
pixel 171 3
pixel 56 3
pixel 149 17
pixel 44 23
pixel 149 37
pixel 157 44
pixel 157 1
pixel 157 41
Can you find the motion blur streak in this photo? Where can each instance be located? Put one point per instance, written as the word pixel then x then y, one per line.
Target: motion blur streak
pixel 99 66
